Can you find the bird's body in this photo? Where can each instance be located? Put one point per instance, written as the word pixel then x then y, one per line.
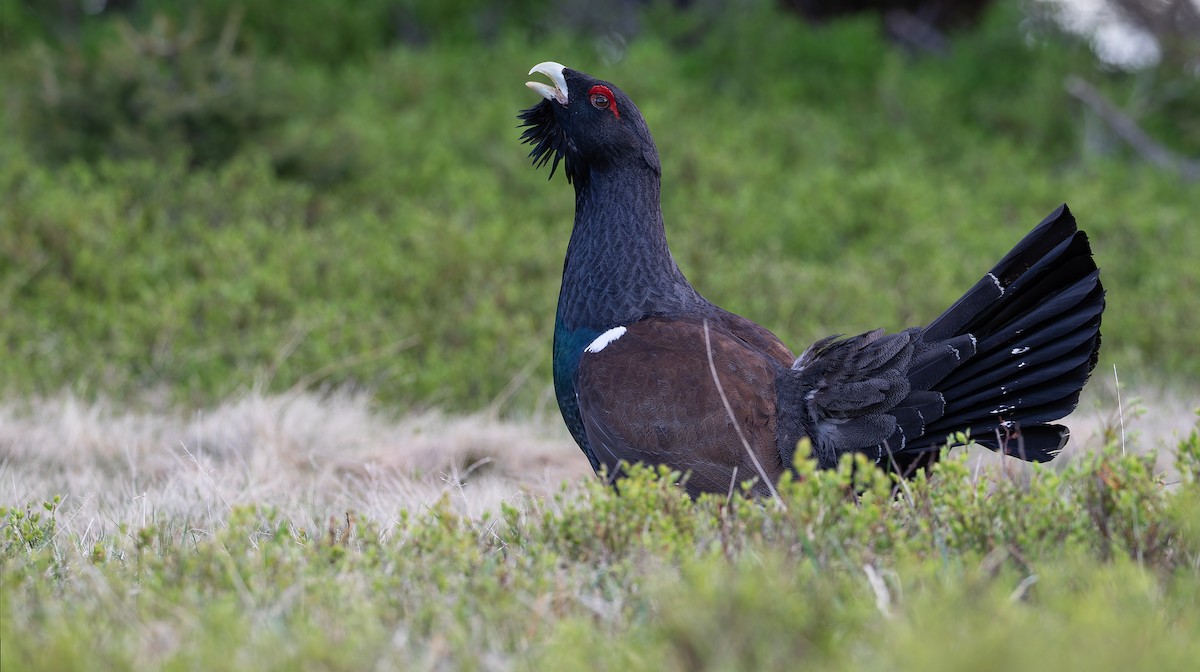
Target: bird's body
pixel 647 370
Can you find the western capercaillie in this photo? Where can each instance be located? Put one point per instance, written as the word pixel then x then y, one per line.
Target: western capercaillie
pixel 647 370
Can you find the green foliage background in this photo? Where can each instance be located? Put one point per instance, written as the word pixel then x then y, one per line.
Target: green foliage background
pixel 207 200
pixel 200 198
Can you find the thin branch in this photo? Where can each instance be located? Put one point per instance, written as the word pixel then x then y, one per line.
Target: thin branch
pixel 883 600
pixel 1128 130
pixel 712 367
pixel 1120 408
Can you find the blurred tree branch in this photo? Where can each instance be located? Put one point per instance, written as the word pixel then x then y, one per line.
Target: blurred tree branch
pixel 1128 130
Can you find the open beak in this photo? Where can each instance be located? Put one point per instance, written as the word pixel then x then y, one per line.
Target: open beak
pixel 554 71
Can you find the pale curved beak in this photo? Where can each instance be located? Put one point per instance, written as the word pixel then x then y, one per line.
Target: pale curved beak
pixel 554 71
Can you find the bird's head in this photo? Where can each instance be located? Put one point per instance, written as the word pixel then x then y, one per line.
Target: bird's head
pixel 586 123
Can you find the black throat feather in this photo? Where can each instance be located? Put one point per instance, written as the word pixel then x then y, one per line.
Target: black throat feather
pixel 550 141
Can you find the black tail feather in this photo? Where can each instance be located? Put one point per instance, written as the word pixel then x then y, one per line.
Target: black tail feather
pixel 1013 379
pixel 933 364
pixel 1047 235
pixel 1017 389
pixel 1037 443
pixel 1071 264
pixel 1050 401
pixel 914 413
pixel 1009 356
pixel 1023 348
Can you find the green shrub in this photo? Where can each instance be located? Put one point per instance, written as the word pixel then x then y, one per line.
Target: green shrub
pixel 170 89
pixel 377 224
pixel 958 569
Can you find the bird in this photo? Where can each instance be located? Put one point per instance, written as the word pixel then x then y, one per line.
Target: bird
pixel 648 371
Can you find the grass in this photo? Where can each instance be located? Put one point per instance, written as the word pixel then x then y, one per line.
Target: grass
pixel 308 456
pixel 320 533
pixel 312 456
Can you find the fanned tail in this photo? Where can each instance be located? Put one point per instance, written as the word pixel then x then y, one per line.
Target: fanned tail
pixel 1010 356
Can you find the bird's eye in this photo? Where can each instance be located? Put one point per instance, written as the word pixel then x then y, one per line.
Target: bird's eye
pixel 601 97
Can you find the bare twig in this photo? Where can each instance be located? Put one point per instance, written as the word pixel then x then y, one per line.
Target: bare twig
pixel 1128 130
pixel 229 33
pixel 1022 588
pixel 712 367
pixel 883 600
pixel 1120 408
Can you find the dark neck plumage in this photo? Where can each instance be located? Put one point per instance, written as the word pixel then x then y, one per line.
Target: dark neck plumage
pixel 618 266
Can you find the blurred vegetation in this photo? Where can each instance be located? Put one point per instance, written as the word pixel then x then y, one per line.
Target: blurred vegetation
pixel 199 198
pixel 1093 568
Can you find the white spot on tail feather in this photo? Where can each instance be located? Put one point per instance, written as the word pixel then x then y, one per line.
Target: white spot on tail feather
pixel 997 281
pixel 1020 351
pixel 604 339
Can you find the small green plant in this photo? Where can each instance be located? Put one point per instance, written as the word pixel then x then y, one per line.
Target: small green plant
pixel 30 528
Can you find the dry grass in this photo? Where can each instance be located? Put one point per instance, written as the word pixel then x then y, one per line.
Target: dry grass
pixel 310 457
pixel 316 457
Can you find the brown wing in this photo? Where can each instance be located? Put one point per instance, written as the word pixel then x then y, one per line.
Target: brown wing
pixel 756 336
pixel 649 396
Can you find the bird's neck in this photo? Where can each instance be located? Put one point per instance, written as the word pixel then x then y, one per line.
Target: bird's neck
pixel 618 265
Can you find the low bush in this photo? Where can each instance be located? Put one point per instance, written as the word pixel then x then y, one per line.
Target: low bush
pixel 954 569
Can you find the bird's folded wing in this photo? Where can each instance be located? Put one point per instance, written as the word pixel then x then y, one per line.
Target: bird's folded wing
pixel 846 392
pixel 649 395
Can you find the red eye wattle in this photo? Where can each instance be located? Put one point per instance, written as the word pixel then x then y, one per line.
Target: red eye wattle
pixel 602 98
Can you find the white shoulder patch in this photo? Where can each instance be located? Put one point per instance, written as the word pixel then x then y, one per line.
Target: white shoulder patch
pixel 604 339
